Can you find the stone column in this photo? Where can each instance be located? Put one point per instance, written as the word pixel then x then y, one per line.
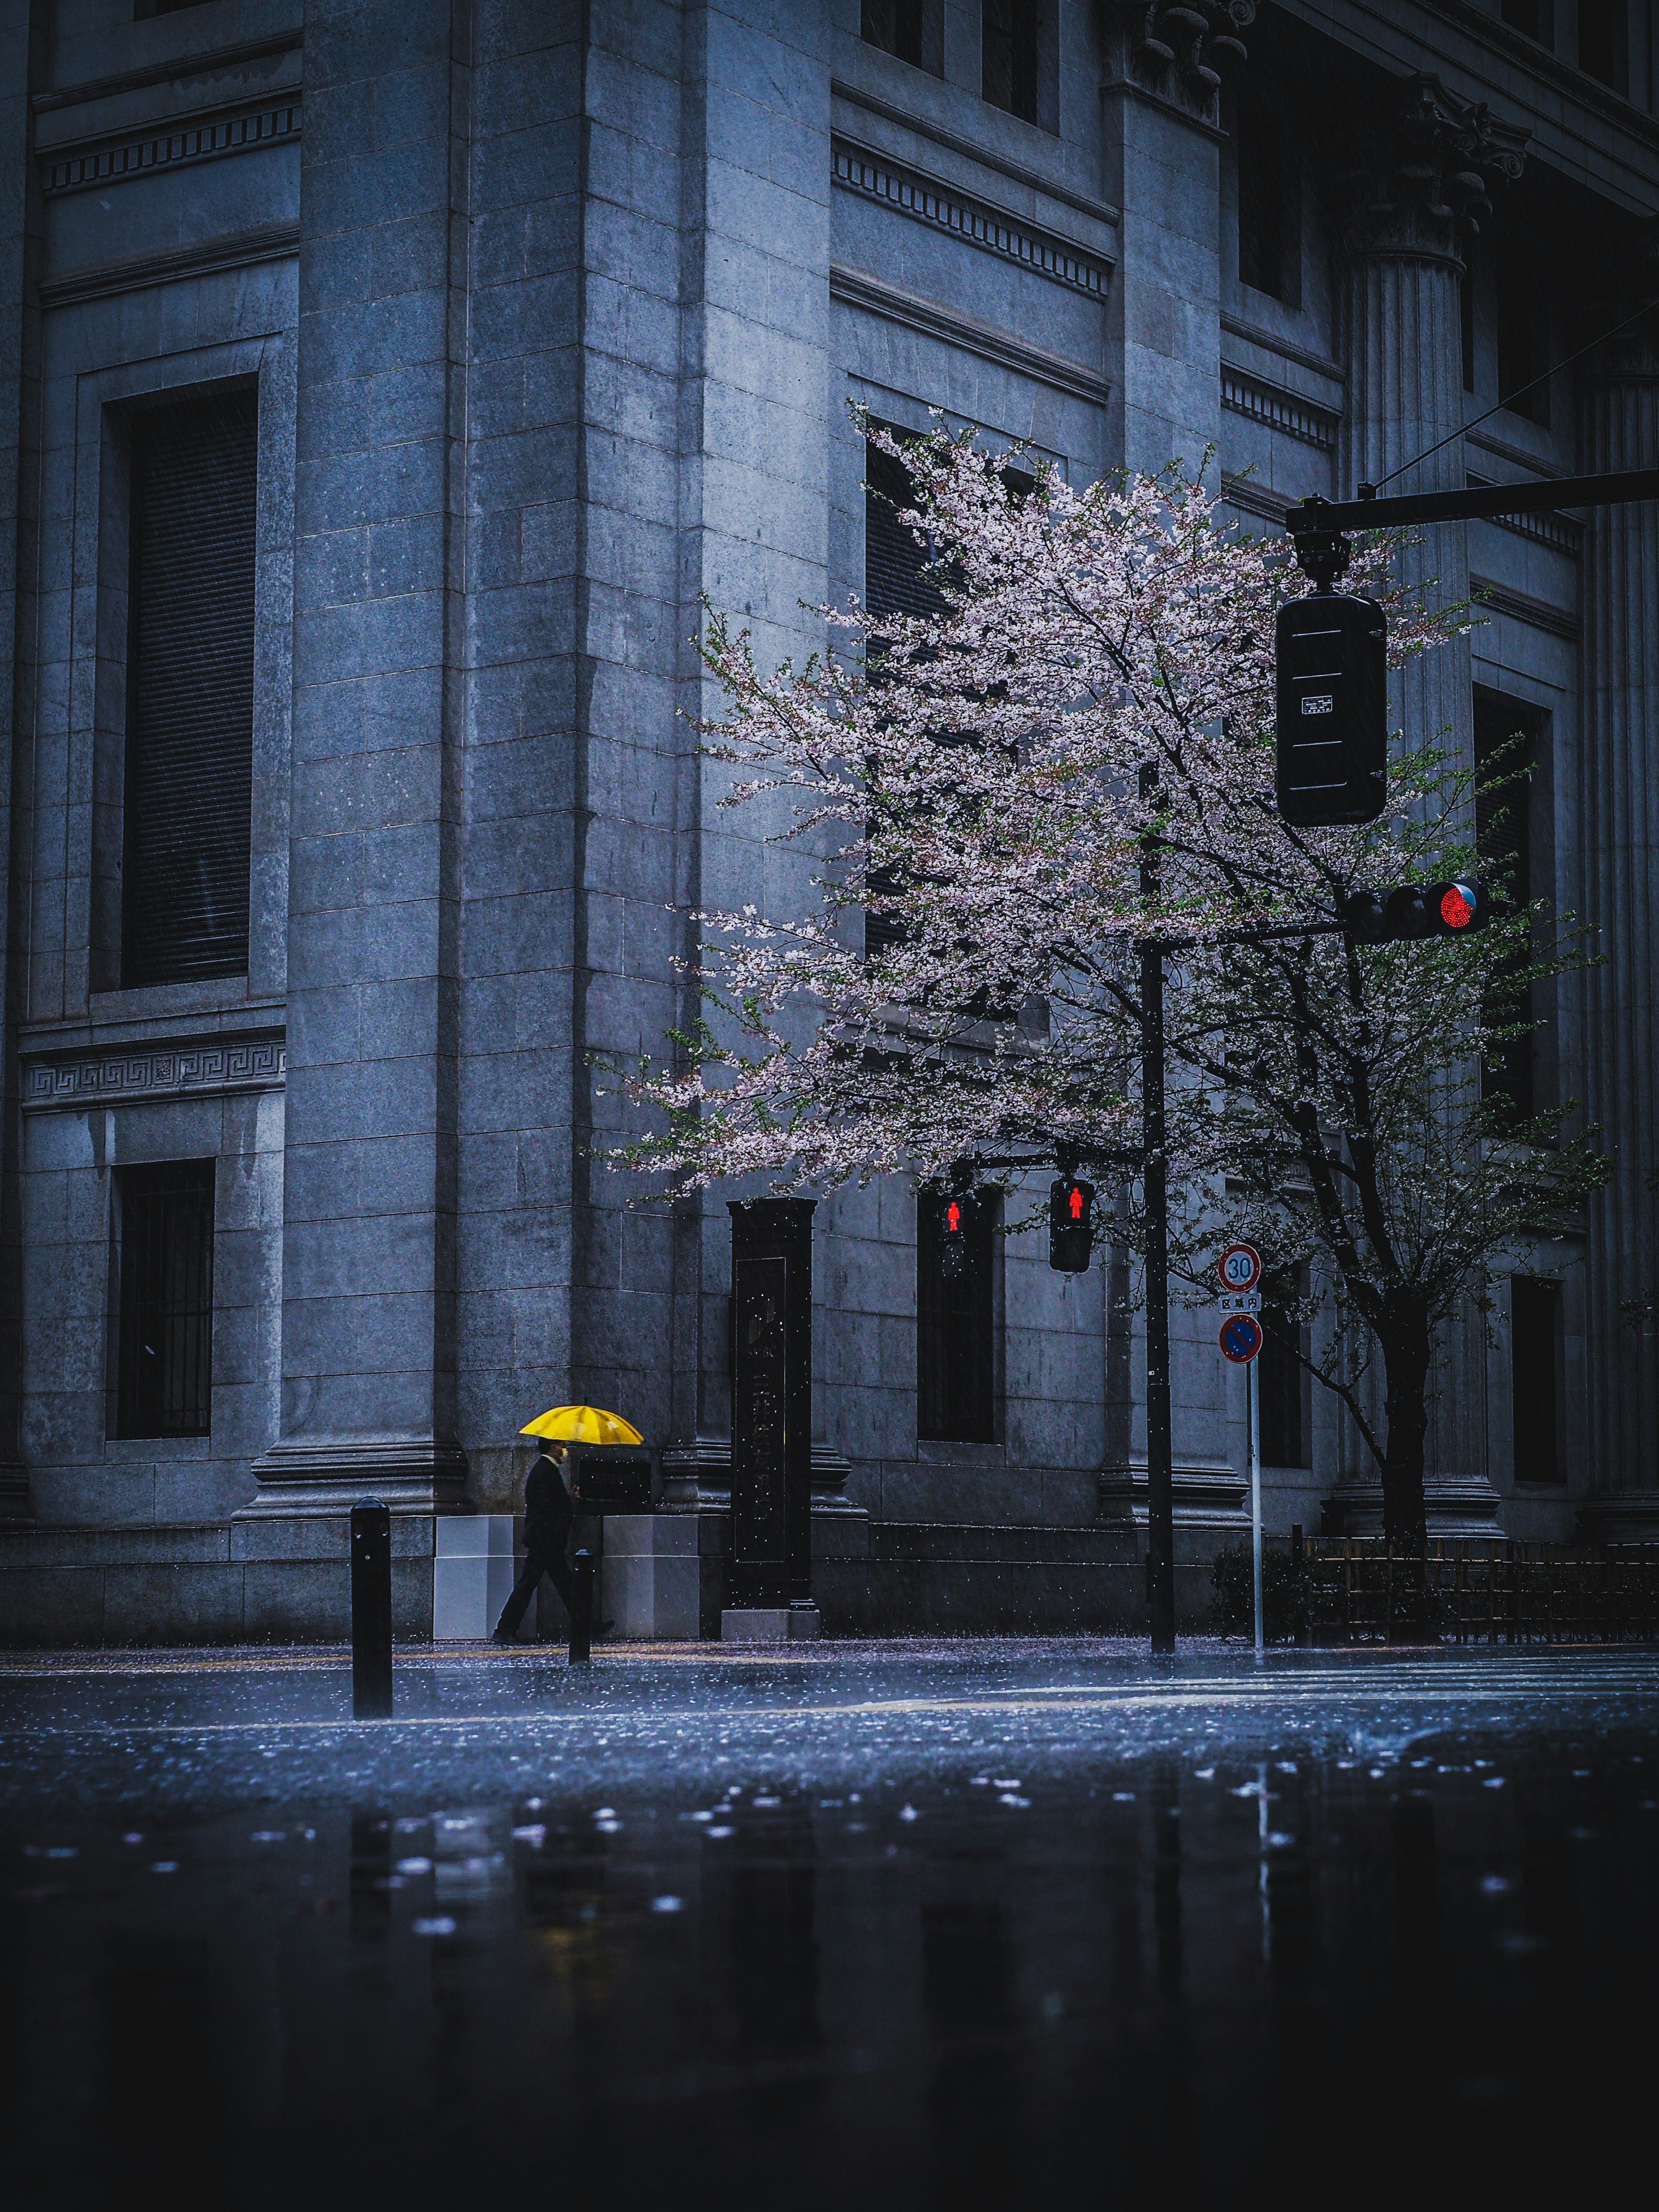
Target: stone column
pixel 1428 166
pixel 368 1291
pixel 1618 897
pixel 1163 161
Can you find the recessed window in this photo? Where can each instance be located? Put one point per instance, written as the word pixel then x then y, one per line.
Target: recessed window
pixel 1283 1382
pixel 1520 357
pixel 956 1317
pixel 1269 236
pixel 910 30
pixel 163 1231
pixel 1604 41
pixel 1019 55
pixel 1506 745
pixel 188 794
pixel 1534 1357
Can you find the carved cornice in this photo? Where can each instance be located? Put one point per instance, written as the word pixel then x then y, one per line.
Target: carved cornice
pixel 208 62
pixel 244 249
pixel 138 1074
pixel 856 168
pixel 1561 533
pixel 1432 162
pixel 976 150
pixel 1284 411
pixel 856 288
pixel 1182 46
pixel 1522 607
pixel 111 160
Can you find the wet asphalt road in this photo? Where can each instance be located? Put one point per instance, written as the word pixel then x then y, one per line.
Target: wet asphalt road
pixel 913 1924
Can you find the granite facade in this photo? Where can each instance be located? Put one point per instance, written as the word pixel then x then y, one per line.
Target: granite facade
pixel 553 313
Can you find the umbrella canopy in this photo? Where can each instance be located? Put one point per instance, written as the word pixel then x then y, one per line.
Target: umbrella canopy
pixel 582 1425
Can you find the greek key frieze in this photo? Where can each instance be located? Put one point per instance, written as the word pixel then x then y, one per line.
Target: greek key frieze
pixel 129 1073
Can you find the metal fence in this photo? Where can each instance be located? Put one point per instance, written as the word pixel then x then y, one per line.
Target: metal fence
pixel 1479 1592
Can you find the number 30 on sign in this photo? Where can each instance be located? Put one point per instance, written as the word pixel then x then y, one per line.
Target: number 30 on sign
pixel 1239 1268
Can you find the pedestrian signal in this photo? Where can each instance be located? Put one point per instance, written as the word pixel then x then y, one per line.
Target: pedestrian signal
pixel 956 1233
pixel 1414 911
pixel 1331 710
pixel 1071 1216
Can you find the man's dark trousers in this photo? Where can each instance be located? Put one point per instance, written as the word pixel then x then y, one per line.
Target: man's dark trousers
pixel 537 1563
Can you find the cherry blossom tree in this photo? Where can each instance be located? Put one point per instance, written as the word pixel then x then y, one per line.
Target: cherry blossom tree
pixel 1008 799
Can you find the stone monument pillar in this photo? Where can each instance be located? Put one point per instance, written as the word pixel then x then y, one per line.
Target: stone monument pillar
pixel 771 1585
pixel 1618 896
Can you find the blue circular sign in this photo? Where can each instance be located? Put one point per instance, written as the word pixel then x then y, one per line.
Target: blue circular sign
pixel 1241 1338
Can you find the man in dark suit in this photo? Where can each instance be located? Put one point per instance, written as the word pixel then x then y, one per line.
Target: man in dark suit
pixel 549 1509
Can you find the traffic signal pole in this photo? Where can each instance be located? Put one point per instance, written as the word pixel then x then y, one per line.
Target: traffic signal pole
pixel 1160 1459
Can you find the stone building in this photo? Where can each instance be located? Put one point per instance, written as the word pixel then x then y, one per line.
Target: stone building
pixel 384 387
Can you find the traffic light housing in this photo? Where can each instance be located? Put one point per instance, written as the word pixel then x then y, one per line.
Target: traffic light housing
pixel 1331 710
pixel 956 1233
pixel 1414 911
pixel 1070 1222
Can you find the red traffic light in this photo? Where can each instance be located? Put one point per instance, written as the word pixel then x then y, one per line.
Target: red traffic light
pixel 1071 1214
pixel 1458 906
pixel 953 1218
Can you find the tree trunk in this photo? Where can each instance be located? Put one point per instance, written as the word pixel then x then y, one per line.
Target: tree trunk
pixel 1407 1352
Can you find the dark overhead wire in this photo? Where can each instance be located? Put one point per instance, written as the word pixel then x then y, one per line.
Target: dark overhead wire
pixel 1370 490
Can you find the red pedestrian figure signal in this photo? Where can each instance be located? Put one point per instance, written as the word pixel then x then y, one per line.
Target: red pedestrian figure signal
pixel 953 1217
pixel 1071 1217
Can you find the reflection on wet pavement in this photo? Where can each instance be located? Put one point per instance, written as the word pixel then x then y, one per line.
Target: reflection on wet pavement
pixel 950 1925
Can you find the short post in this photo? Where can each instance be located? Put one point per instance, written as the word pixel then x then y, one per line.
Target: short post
pixel 1255 1507
pixel 581 1613
pixel 371 1611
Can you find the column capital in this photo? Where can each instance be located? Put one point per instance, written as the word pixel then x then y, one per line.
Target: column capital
pixel 1180 48
pixel 1432 161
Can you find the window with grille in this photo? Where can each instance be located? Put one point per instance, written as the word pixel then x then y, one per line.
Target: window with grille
pixel 956 1323
pixel 189 789
pixel 1534 1357
pixel 164 1298
pixel 1503 822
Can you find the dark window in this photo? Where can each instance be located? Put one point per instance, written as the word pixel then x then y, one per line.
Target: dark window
pixel 1523 15
pixel 164 1298
pixel 956 1324
pixel 141 8
pixel 896 564
pixel 1604 41
pixel 900 28
pixel 188 787
pixel 1503 824
pixel 1283 1380
pixel 1534 1353
pixel 1017 59
pixel 1262 207
pixel 1520 352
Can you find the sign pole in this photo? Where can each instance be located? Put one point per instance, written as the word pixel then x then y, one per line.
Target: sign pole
pixel 1255 1505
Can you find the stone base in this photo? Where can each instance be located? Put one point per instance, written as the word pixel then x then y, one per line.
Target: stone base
pixel 1630 1516
pixel 1460 1508
pixel 1210 1497
pixel 303 1476
pixel 770 1624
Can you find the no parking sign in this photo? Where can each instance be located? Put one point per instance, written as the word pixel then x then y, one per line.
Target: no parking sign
pixel 1241 1338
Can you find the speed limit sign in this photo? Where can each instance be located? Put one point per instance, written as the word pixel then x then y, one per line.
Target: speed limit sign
pixel 1239 1268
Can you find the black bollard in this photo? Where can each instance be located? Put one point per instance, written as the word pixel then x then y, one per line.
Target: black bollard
pixel 581 1613
pixel 371 1611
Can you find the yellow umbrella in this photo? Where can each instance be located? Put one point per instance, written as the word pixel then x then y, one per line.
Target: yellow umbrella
pixel 582 1425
